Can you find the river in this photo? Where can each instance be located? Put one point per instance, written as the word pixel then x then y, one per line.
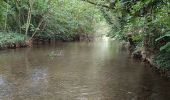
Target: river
pixel 78 71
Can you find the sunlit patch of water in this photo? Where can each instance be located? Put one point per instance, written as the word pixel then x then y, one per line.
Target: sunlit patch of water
pixel 2 81
pixel 105 38
pixel 86 71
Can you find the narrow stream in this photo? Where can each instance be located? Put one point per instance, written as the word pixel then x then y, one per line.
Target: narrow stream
pixel 77 71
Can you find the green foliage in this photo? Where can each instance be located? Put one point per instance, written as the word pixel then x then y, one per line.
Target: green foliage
pixel 137 38
pixel 166 38
pixel 167 34
pixel 162 60
pixel 60 19
pixel 7 39
pixel 166 47
pixel 71 18
pixel 144 20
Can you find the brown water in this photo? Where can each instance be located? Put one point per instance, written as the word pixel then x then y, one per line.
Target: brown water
pixel 77 71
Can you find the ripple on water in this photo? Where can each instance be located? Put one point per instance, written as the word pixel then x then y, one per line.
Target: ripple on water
pixel 85 71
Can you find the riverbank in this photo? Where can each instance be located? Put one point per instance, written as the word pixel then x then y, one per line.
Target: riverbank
pixel 158 61
pixel 12 40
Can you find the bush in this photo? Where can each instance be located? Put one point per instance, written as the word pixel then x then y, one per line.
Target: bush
pixel 8 39
pixel 162 60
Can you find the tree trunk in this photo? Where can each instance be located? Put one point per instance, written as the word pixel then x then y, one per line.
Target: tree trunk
pixel 6 18
pixel 31 3
pixel 28 21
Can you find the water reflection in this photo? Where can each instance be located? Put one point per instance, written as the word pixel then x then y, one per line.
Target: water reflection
pixel 85 71
pixel 4 87
pixel 1 80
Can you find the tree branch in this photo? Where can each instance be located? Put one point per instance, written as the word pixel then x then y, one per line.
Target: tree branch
pixel 101 5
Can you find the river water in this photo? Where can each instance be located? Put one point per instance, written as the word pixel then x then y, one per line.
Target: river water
pixel 78 71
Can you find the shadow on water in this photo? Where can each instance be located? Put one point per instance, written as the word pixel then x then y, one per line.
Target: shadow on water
pixel 78 71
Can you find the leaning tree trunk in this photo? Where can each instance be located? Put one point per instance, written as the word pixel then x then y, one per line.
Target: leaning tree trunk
pixel 6 17
pixel 31 2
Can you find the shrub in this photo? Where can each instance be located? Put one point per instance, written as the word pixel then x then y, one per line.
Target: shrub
pixel 162 60
pixel 8 39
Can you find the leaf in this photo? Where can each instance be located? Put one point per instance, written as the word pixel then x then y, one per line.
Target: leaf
pixel 167 34
pixel 166 47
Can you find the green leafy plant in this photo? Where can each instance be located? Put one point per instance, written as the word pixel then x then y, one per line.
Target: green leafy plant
pixel 165 47
pixel 9 39
pixel 162 60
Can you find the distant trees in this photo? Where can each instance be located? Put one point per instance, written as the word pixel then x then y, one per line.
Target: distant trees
pixel 48 18
pixel 147 20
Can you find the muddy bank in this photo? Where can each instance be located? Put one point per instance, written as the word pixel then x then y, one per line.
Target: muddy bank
pixel 76 38
pixel 147 57
pixel 14 45
pixel 44 41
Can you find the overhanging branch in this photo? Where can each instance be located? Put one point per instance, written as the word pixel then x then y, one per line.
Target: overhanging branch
pixel 100 5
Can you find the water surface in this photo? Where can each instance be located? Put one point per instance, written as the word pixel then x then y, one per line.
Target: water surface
pixel 77 71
